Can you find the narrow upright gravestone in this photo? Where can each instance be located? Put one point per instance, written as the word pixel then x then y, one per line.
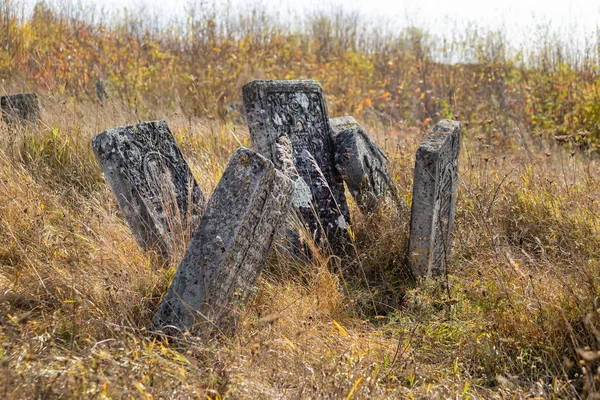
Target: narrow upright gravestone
pixel 434 199
pixel 362 164
pixel 229 248
pixel 17 108
pixel 152 182
pixel 297 110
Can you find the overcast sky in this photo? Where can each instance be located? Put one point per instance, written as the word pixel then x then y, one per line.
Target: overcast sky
pixel 585 12
pixel 577 20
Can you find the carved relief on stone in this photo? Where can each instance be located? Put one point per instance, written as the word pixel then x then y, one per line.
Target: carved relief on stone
pixel 434 199
pixel 297 110
pixel 152 182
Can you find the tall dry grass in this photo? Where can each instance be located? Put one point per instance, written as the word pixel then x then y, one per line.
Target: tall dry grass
pixel 515 317
pixel 77 293
pixel 391 73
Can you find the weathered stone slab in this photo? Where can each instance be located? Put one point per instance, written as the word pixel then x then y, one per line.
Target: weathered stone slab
pixel 297 110
pixel 301 199
pixel 101 90
pixel 434 199
pixel 362 163
pixel 229 248
pixel 18 108
pixel 325 204
pixel 310 207
pixel 152 183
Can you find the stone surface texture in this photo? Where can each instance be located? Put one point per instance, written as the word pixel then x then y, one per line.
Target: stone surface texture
pixel 228 250
pixel 362 163
pixel 301 199
pixel 297 110
pixel 151 181
pixel 17 108
pixel 325 204
pixel 434 199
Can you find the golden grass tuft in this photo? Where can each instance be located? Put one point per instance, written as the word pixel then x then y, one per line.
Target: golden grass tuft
pixel 77 293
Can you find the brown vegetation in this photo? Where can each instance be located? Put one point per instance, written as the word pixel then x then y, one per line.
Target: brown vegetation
pixel 515 317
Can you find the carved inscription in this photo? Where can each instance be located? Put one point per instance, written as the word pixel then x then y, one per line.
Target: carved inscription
pixel 152 182
pixel 443 208
pixel 434 199
pixel 362 164
pixel 297 110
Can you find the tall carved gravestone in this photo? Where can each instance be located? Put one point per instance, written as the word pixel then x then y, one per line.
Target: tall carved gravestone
pixel 362 164
pixel 19 108
pixel 302 198
pixel 297 110
pixel 229 248
pixel 151 181
pixel 434 199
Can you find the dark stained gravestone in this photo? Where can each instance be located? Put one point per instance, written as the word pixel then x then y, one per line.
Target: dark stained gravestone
pixel 18 108
pixel 228 250
pixel 325 203
pixel 301 199
pixel 307 166
pixel 434 199
pixel 362 163
pixel 297 110
pixel 152 183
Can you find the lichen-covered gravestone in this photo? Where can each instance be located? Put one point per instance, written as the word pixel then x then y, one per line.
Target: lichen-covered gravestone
pixel 153 184
pixel 307 166
pixel 362 164
pixel 229 248
pixel 297 110
pixel 18 108
pixel 434 199
pixel 301 199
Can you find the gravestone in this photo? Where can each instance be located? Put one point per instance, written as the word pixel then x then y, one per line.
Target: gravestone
pixel 310 207
pixel 434 199
pixel 152 182
pixel 362 164
pixel 297 110
pixel 301 199
pixel 101 90
pixel 229 248
pixel 19 108
pixel 324 202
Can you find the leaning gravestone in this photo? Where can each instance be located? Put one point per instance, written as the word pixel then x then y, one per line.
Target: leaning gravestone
pixel 153 184
pixel 297 110
pixel 362 164
pixel 301 199
pixel 434 199
pixel 19 108
pixel 324 199
pixel 307 166
pixel 229 248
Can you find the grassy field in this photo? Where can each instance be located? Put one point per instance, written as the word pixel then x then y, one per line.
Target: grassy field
pixel 516 316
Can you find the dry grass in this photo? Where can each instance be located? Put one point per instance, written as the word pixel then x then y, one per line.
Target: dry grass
pixel 515 317
pixel 77 293
pixel 382 70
